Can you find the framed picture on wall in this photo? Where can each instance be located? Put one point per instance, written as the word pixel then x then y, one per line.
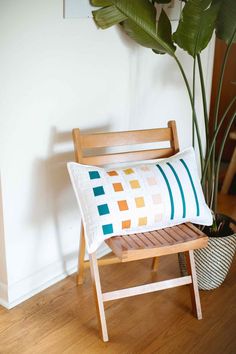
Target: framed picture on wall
pixel 77 9
pixel 83 9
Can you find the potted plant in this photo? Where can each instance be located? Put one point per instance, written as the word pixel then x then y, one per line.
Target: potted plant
pixel 199 21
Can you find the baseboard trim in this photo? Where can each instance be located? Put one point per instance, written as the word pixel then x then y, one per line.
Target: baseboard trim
pixel 14 294
pixel 4 304
pixel 3 295
pixel 18 293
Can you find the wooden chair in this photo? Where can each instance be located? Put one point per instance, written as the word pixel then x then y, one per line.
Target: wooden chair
pixel 182 238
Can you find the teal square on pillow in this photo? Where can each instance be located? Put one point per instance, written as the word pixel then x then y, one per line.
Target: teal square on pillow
pixel 107 229
pixel 103 209
pixel 98 191
pixel 94 174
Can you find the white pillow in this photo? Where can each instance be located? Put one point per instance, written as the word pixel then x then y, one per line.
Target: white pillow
pixel 140 198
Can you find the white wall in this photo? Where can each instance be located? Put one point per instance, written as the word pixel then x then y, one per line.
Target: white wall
pixel 159 93
pixel 3 266
pixel 57 74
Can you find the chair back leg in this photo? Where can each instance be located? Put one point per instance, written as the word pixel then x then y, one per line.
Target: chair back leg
pixel 194 292
pixel 98 296
pixel 80 274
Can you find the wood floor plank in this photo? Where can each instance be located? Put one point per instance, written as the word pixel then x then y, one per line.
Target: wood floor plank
pixel 64 320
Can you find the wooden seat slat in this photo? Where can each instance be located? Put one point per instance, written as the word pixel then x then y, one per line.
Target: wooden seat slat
pixel 124 244
pixel 165 236
pixel 145 240
pixel 164 232
pixel 172 233
pixel 159 238
pixel 190 235
pixel 189 231
pixel 158 242
pixel 154 240
pixel 183 234
pixel 130 241
pixel 194 228
pixel 139 241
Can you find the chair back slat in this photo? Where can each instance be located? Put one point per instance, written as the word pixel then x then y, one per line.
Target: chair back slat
pixel 100 140
pixel 129 156
pixel 87 146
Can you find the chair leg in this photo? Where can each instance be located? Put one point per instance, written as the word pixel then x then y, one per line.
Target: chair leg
pixel 98 296
pixel 155 262
pixel 80 274
pixel 195 298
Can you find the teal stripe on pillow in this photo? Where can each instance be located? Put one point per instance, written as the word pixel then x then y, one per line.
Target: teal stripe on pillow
pixel 170 192
pixel 180 188
pixel 192 184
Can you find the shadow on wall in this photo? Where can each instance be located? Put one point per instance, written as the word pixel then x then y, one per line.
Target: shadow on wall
pixel 127 41
pixel 54 211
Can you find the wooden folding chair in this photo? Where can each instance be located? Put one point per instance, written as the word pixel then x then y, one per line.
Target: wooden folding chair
pixel 183 238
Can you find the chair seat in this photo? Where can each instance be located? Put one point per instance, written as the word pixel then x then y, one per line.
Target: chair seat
pixel 170 240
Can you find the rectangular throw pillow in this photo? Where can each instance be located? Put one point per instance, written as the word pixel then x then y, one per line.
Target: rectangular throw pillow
pixel 139 198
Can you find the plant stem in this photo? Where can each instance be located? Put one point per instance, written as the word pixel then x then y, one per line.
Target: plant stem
pixel 215 137
pixel 218 97
pixel 205 183
pixel 193 109
pixel 220 83
pixel 214 199
pixel 193 90
pixel 204 101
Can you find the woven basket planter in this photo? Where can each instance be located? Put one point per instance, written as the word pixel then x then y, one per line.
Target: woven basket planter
pixel 212 262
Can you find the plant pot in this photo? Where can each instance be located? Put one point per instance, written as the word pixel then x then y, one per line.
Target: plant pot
pixel 214 261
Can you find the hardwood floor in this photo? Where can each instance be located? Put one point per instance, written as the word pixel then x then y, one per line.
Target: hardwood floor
pixel 62 318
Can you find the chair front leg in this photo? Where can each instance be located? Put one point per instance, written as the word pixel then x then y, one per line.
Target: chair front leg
pixel 98 296
pixel 195 298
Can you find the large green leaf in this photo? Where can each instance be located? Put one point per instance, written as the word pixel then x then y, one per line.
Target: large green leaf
pixel 162 1
pixel 143 38
pixel 143 14
pixel 100 3
pixel 196 25
pixel 108 16
pixel 138 19
pixel 226 21
pixel 164 27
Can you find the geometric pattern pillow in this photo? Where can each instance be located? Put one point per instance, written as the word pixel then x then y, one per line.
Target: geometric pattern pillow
pixel 138 198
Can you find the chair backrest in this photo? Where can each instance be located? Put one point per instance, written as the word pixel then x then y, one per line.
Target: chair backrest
pixel 87 146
